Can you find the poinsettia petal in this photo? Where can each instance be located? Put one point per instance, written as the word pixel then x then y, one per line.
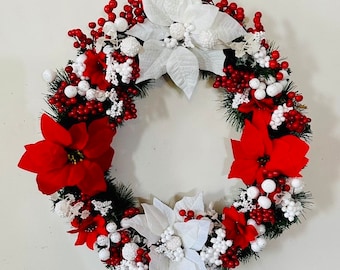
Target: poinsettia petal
pixel 52 131
pixel 91 239
pixel 154 10
pixel 52 181
pixel 156 220
pixel 93 181
pixel 227 28
pixel 158 261
pixel 147 31
pixel 252 141
pixel 104 161
pixel 183 69
pixel 210 60
pixel 99 138
pixel 140 224
pixel 152 60
pixel 194 257
pixel 166 210
pixel 244 169
pixel 288 156
pixel 194 233
pixel 79 136
pixel 43 156
pixel 195 204
pixel 200 15
pixel 81 238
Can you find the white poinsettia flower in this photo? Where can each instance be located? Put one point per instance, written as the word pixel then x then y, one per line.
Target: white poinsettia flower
pixel 174 243
pixel 182 37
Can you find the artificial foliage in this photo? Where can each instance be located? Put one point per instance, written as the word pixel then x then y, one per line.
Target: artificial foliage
pixel 116 62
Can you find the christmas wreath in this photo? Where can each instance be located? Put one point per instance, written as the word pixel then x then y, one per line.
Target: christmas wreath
pixel 94 95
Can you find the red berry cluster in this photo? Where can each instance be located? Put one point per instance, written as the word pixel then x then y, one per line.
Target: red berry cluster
pixel 142 256
pixel 261 215
pixel 188 215
pixel 258 26
pixel 81 39
pixel 122 59
pixel 230 259
pixel 235 81
pixel 133 12
pixel 232 9
pixel 130 212
pixel 296 121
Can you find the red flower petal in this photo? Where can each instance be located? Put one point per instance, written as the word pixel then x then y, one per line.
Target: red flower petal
pixel 54 132
pixel 52 181
pixel 100 138
pixel 43 156
pixel 79 136
pixel 244 169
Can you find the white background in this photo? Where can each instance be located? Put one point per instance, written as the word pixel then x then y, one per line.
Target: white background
pixel 175 145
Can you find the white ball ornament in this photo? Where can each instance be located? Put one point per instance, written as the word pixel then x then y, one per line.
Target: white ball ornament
pixel 83 86
pixel 110 29
pixel 115 237
pixel 104 254
pixel 70 91
pixel 255 247
pixel 261 242
pixel 49 75
pixel 296 183
pixel 274 89
pixel 253 192
pixel 102 240
pixel 260 94
pixel 111 227
pixel 91 94
pixel 130 46
pixel 129 251
pixel 121 24
pixel 264 202
pixel 254 83
pixel 268 185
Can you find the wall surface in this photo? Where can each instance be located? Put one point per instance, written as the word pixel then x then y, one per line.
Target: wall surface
pixel 175 145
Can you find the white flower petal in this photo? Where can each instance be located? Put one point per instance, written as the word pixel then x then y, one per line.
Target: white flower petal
pixel 227 27
pixel 166 210
pixel 183 264
pixel 158 261
pixel 210 60
pixel 183 69
pixel 140 224
pixel 193 256
pixel 190 203
pixel 201 16
pixel 148 30
pixel 194 233
pixel 156 221
pixel 152 60
pixel 155 12
pixel 176 9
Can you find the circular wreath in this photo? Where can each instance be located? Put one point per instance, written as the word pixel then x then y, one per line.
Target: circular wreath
pixel 94 95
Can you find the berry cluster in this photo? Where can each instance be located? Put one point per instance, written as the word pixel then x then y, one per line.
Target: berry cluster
pixel 188 215
pixel 261 215
pixel 133 12
pixel 235 81
pixel 231 9
pixel 296 121
pixel 230 258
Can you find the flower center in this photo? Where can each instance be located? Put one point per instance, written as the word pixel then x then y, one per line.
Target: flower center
pixel 171 245
pixel 75 156
pixel 263 160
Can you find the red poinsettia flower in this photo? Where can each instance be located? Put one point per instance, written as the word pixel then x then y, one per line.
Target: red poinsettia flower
pixel 88 230
pixel 75 157
pixel 237 228
pixel 256 152
pixel 95 65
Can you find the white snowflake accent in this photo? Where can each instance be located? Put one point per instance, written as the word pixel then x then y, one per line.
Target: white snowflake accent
pixel 244 204
pixel 102 207
pixel 250 45
pixel 211 255
pixel 277 116
pixel 117 105
pixel 171 245
pixel 240 98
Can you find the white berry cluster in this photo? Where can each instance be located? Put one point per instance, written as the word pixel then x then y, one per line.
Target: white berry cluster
pixel 114 68
pixel 261 57
pixel 278 116
pixel 291 208
pixel 259 243
pixel 171 245
pixel 211 255
pixel 131 265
